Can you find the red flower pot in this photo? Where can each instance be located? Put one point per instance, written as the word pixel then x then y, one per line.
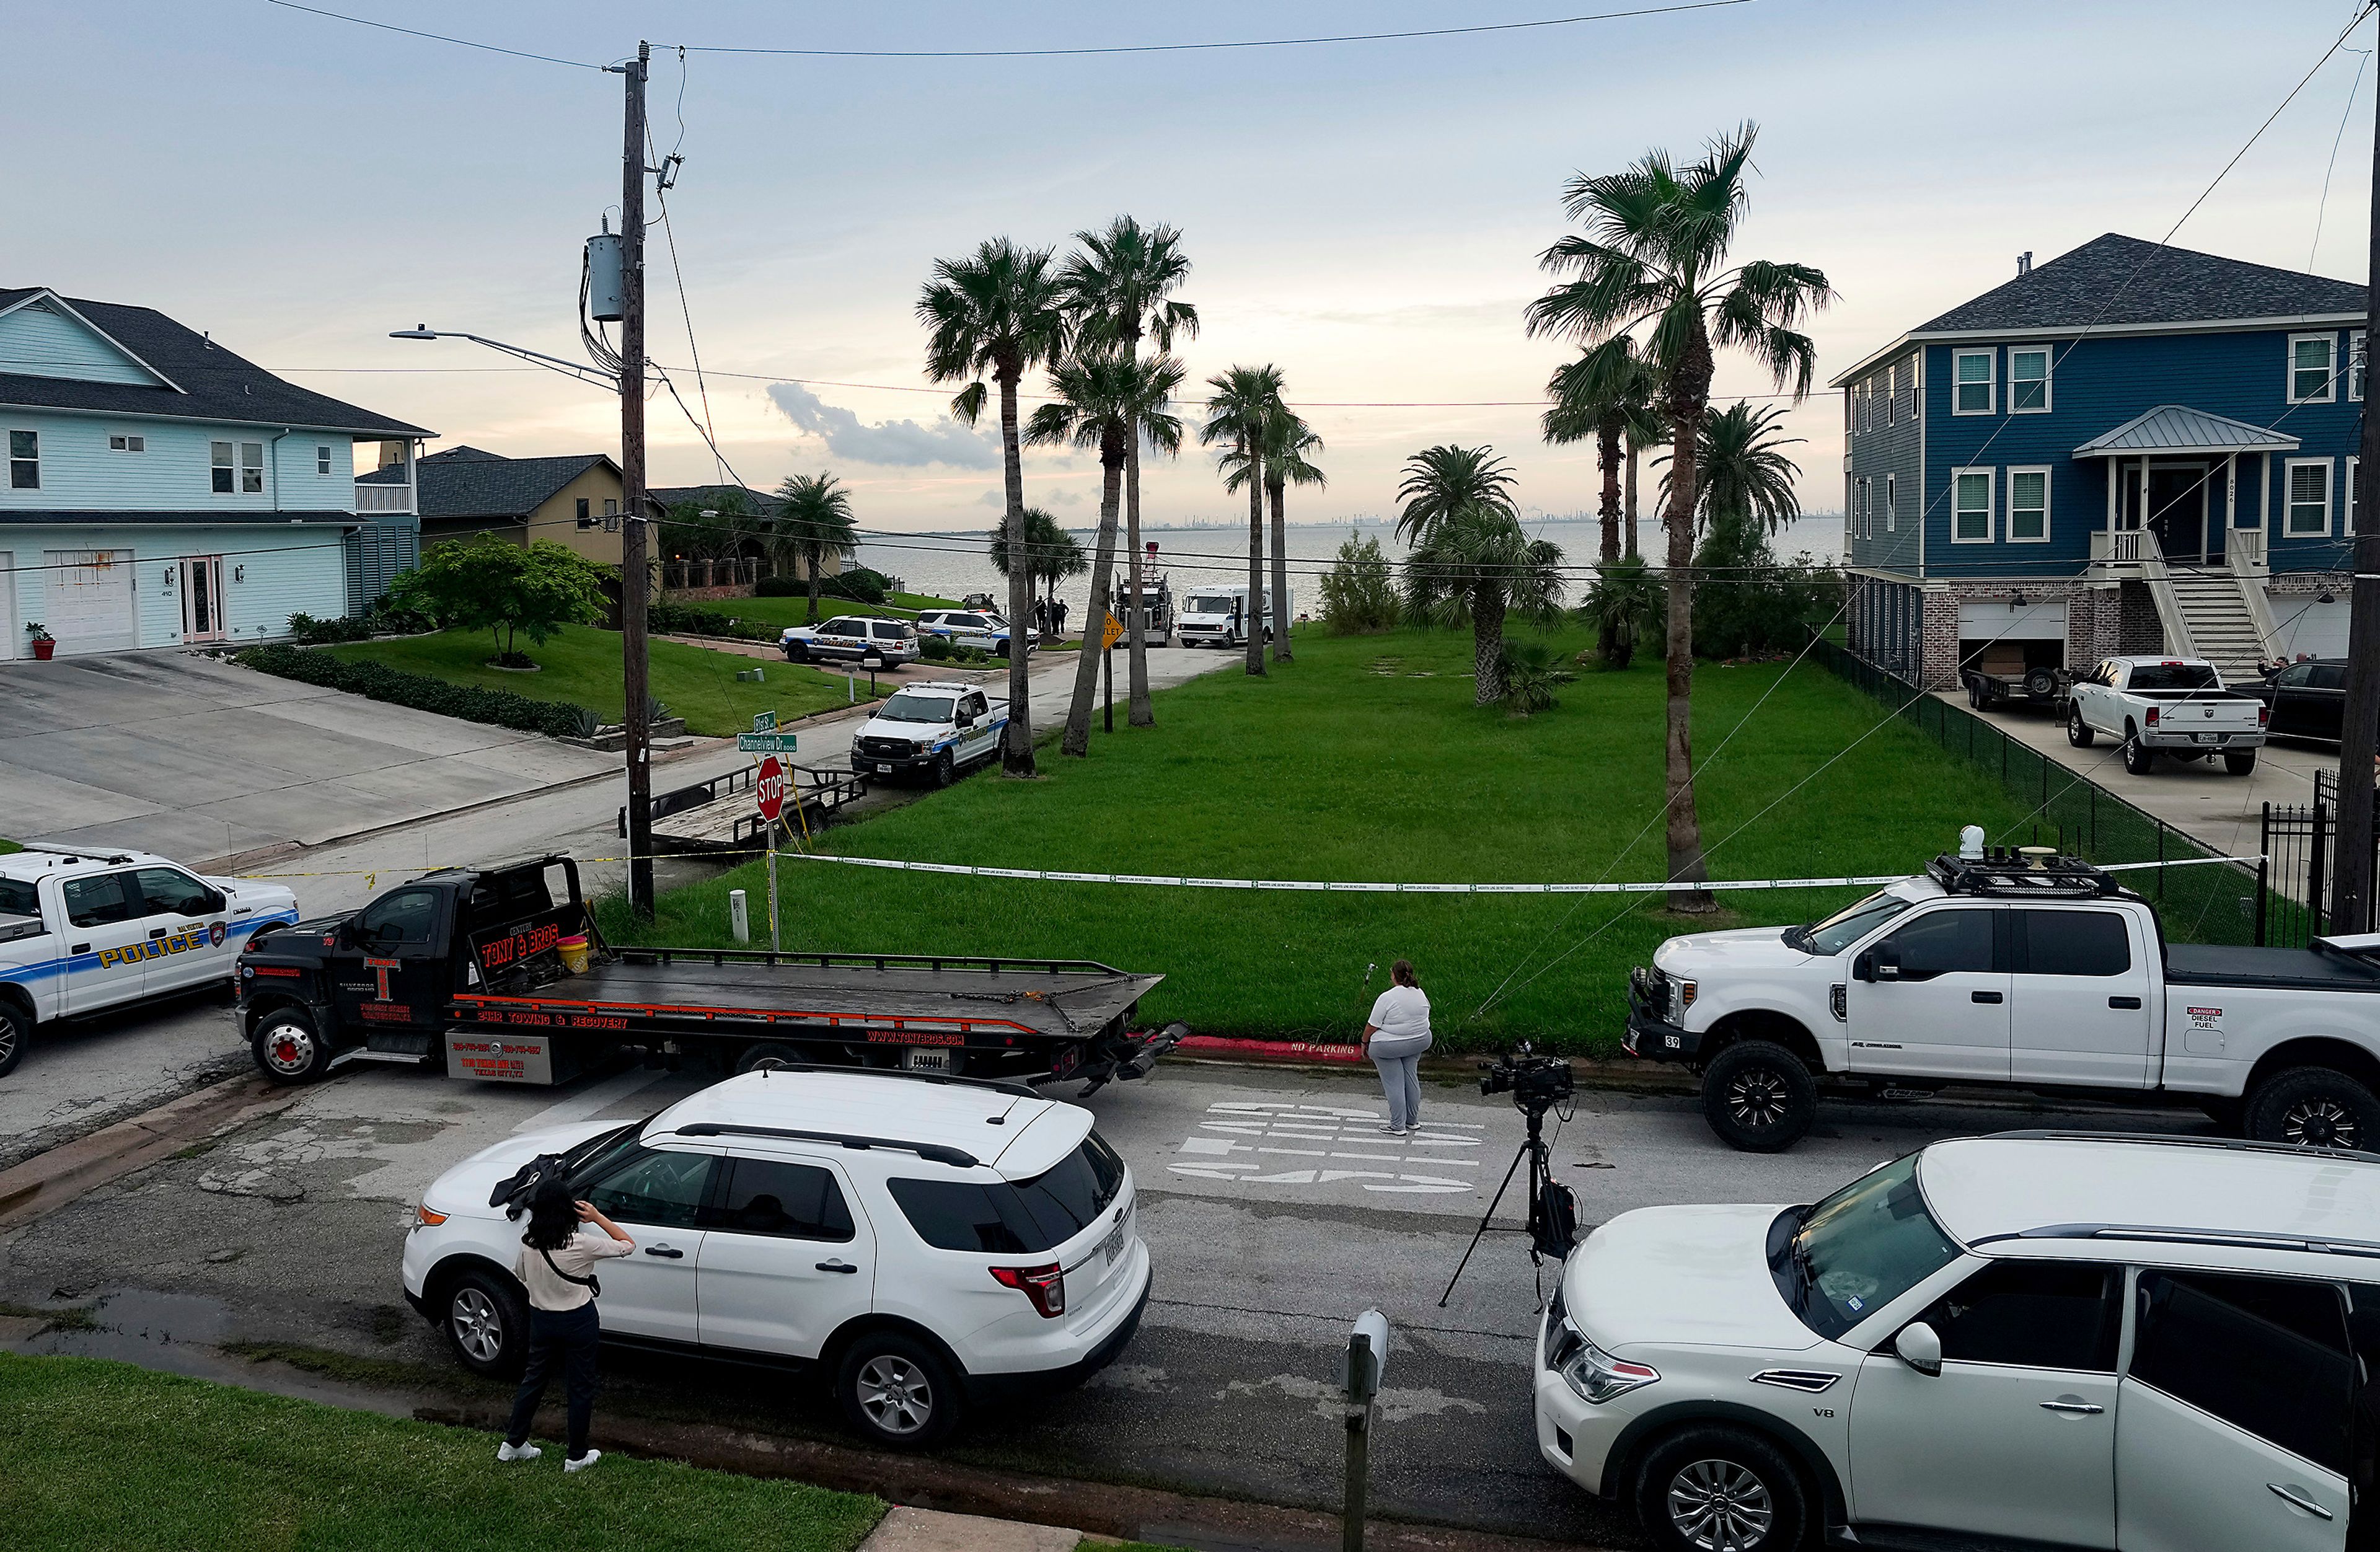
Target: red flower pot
pixel 44 649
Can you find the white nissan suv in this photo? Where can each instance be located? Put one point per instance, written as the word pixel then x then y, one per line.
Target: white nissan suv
pixel 922 1240
pixel 2037 1340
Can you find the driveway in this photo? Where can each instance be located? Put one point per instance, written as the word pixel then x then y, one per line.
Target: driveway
pixel 183 755
pixel 2204 801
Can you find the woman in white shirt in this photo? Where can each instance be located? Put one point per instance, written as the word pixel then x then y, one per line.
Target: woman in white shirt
pixel 1395 1038
pixel 556 1266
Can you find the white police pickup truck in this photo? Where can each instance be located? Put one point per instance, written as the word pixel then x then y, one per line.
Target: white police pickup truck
pixel 2028 971
pixel 85 930
pixel 935 728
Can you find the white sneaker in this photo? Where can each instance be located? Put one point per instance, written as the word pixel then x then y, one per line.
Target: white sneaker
pixel 583 1461
pixel 1392 1131
pixel 518 1452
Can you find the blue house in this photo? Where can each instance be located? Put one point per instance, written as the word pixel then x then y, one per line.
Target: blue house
pixel 162 492
pixel 2130 448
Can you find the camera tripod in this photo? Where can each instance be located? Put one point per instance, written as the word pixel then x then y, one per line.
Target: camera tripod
pixel 1546 1237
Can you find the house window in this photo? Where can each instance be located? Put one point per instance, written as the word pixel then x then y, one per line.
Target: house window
pixel 2348 497
pixel 611 506
pixel 1863 487
pixel 1971 370
pixel 1860 398
pixel 1891 502
pixel 24 460
pixel 238 466
pixel 321 460
pixel 2355 365
pixel 2309 486
pixel 1892 386
pixel 2311 372
pixel 127 445
pixel 2028 519
pixel 1970 506
pixel 2028 382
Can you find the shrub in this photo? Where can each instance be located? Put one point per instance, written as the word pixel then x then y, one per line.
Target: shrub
pixel 1359 594
pixel 857 583
pixel 936 648
pixel 379 681
pixel 1751 603
pixel 1532 669
pixel 781 587
pixel 686 619
pixel 491 583
pixel 310 632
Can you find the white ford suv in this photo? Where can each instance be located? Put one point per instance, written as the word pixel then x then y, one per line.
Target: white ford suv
pixel 2037 1340
pixel 922 1240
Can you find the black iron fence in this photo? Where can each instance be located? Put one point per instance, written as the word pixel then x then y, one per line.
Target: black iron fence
pixel 2302 846
pixel 2212 902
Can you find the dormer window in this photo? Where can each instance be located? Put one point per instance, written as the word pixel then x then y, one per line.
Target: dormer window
pixel 127 445
pixel 238 468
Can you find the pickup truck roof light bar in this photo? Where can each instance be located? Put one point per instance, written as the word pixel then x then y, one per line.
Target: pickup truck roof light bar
pixel 2235 1239
pixel 2005 875
pixel 933 1153
pixel 77 854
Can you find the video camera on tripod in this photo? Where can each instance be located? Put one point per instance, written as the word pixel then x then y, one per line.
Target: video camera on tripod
pixel 1537 1084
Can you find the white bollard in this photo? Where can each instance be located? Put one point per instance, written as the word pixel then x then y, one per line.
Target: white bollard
pixel 738 916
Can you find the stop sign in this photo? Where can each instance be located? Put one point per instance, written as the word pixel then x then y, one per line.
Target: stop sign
pixel 771 789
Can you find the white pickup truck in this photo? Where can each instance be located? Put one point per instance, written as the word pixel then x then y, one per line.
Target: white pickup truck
pixel 85 930
pixel 2025 972
pixel 2167 706
pixel 934 728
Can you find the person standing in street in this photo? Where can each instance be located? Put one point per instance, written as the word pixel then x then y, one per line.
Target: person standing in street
pixel 559 1249
pixel 1395 1038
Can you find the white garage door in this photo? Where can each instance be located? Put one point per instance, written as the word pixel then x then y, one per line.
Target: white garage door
pixel 10 630
pixel 2031 621
pixel 87 598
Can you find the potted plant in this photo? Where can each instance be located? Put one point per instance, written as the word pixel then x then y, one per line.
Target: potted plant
pixel 45 644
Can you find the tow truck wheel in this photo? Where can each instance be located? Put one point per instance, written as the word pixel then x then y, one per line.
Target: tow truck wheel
pixel 486 1322
pixel 287 1049
pixel 2077 731
pixel 766 1055
pixel 14 1027
pixel 945 769
pixel 2313 1107
pixel 1758 1096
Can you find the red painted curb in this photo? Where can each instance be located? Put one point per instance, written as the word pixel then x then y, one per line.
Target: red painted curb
pixel 1280 1050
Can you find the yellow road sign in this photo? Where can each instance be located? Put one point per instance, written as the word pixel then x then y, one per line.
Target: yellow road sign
pixel 1112 632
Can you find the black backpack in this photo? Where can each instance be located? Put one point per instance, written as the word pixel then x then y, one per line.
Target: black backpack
pixel 513 1191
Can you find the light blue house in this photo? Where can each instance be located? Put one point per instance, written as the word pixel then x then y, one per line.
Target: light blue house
pixel 162 492
pixel 2130 448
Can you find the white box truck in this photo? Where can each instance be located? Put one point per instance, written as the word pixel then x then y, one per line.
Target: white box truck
pixel 1219 615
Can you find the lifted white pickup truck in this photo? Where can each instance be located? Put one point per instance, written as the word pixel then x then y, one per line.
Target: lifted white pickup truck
pixel 2040 974
pixel 2168 706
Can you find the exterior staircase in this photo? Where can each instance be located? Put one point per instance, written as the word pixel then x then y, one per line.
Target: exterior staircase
pixel 2214 613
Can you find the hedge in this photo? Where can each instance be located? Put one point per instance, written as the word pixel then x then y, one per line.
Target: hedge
pixel 686 619
pixel 378 681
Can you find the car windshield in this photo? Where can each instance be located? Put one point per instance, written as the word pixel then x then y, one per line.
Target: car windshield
pixel 2174 677
pixel 1847 926
pixel 1860 1249
pixel 1211 603
pixel 591 1157
pixel 911 707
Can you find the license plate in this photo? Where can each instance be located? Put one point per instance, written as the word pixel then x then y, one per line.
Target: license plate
pixel 1113 1246
pixel 2210 738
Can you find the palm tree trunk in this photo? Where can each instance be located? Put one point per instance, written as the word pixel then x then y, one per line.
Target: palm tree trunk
pixel 1488 644
pixel 1086 666
pixel 1140 711
pixel 810 564
pixel 1630 499
pixel 1607 458
pixel 1276 488
pixel 1016 757
pixel 1689 391
pixel 1256 557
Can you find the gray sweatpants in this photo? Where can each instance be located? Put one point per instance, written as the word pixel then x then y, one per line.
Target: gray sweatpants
pixel 1398 1060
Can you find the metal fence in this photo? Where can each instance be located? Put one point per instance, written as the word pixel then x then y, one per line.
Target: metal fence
pixel 2302 846
pixel 2215 904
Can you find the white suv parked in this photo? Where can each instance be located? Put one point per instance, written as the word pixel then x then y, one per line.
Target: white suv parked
pixel 2038 1340
pixel 922 1240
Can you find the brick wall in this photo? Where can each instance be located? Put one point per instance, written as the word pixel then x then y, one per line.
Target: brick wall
pixel 2138 629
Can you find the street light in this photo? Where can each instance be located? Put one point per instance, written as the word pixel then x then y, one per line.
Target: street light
pixel 593 376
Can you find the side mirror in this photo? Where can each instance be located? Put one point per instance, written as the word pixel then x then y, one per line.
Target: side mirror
pixel 1864 967
pixel 1887 962
pixel 1920 1347
pixel 217 903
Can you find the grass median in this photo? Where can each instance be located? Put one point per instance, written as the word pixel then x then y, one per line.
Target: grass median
pixel 1364 760
pixel 582 665
pixel 99 1454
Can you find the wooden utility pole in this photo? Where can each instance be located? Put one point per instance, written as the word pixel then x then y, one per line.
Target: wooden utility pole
pixel 634 580
pixel 2350 901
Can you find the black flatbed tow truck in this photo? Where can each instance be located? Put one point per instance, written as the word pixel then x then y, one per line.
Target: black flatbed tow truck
pixel 468 967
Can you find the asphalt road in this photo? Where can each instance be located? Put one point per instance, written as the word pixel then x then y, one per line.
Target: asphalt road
pixel 1275 1213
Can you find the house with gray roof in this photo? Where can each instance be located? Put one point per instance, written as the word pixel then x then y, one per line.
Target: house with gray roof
pixel 573 500
pixel 2129 448
pixel 162 491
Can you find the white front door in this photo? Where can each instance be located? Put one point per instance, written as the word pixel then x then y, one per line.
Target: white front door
pixel 657 1195
pixel 1930 997
pixel 786 1259
pixel 2079 1000
pixel 86 600
pixel 202 598
pixel 2233 1426
pixel 2016 1436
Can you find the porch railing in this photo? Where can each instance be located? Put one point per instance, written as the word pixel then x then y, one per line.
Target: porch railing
pixel 383 498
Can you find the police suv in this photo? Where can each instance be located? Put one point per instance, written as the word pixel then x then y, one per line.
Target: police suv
pixel 85 930
pixel 935 728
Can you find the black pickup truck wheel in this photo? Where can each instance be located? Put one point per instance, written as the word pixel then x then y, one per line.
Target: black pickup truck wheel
pixel 2077 731
pixel 13 1028
pixel 1758 1096
pixel 2313 1107
pixel 288 1049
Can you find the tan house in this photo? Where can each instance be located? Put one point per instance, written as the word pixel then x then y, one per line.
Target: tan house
pixel 573 500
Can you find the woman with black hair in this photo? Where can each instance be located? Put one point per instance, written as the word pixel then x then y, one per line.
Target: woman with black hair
pixel 559 1249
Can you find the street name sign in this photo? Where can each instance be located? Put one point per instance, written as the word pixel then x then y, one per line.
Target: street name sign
pixel 764 743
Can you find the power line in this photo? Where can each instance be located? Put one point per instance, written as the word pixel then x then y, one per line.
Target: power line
pixel 434 37
pixel 2330 166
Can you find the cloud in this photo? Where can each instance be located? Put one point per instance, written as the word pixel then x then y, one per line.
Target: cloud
pixel 894 443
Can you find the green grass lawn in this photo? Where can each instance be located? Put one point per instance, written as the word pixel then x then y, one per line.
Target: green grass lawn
pixel 783 611
pixel 583 665
pixel 100 1454
pixel 7 845
pixel 1364 759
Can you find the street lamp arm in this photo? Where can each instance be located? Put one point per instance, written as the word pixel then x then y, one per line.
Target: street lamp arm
pixel 592 376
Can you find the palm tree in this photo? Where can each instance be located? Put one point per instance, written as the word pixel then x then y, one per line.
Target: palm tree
pixel 1236 414
pixel 1051 554
pixel 1104 399
pixel 1747 484
pixel 1441 481
pixel 998 312
pixel 1625 604
pixel 1655 257
pixel 1280 460
pixel 813 523
pixel 1120 286
pixel 1607 394
pixel 1475 565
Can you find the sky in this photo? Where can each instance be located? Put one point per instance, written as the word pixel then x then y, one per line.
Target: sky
pixel 1366 216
